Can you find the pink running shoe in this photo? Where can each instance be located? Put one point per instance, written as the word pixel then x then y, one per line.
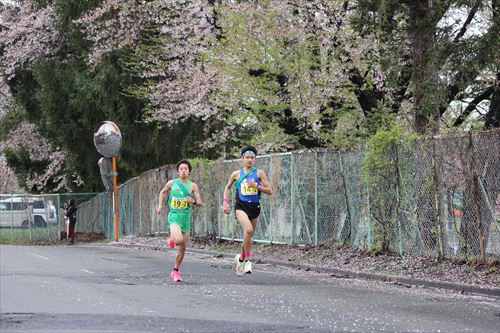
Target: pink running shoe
pixel 176 276
pixel 171 243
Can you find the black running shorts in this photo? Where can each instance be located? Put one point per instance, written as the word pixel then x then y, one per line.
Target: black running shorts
pixel 252 209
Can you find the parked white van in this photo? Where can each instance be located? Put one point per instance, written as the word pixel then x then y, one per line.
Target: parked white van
pixel 15 214
pixel 42 212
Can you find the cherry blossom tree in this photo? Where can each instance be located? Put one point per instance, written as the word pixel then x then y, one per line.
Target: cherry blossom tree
pixel 164 40
pixel 29 31
pixel 50 171
pixel 5 97
pixel 310 56
pixel 448 50
pixel 281 74
pixel 8 181
pixel 295 73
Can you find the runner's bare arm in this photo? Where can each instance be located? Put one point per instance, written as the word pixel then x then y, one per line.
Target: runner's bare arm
pixel 265 187
pixel 162 193
pixel 194 189
pixel 232 179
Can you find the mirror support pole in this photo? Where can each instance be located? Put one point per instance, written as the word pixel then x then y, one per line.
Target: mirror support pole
pixel 115 200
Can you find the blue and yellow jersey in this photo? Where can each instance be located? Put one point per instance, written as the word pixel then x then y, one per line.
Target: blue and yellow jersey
pixel 246 193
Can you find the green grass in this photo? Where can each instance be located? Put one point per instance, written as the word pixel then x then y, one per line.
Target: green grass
pixel 25 236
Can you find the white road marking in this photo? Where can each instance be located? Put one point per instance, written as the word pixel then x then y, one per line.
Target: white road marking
pixel 39 256
pixel 86 271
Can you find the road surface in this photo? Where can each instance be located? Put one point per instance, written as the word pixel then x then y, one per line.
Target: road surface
pixel 99 288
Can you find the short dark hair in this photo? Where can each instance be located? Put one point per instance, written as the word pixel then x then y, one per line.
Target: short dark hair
pixel 183 162
pixel 247 148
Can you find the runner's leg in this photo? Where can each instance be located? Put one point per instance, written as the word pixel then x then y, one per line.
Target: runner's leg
pixel 254 227
pixel 248 229
pixel 182 250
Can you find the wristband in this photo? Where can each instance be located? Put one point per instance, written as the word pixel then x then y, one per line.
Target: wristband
pixel 226 200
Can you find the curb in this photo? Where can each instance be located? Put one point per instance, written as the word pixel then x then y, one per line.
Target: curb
pixel 492 292
pixel 495 292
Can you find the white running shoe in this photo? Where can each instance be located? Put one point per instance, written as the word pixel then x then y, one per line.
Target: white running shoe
pixel 238 265
pixel 247 268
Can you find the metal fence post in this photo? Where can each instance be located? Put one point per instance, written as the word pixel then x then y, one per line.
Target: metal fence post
pixel 316 198
pixel 271 225
pixel 369 218
pixel 58 207
pixel 477 201
pixel 344 181
pixel 131 205
pixel 140 207
pixel 32 215
pixel 438 202
pixel 109 218
pixel 398 200
pixel 292 208
pixel 400 237
pixel 11 217
pixel 218 219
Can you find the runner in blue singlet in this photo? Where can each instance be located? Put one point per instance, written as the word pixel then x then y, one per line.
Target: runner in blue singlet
pixel 249 182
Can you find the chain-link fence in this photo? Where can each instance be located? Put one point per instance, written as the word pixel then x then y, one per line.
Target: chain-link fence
pixel 35 217
pixel 438 197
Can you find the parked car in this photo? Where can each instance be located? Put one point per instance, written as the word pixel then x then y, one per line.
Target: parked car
pixel 42 212
pixel 15 214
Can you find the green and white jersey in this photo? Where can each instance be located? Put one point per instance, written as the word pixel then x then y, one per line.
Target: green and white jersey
pixel 178 197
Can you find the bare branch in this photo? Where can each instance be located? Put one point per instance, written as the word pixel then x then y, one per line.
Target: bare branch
pixel 472 106
pixel 471 15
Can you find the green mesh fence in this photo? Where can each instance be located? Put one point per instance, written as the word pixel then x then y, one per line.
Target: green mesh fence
pixel 437 197
pixel 28 217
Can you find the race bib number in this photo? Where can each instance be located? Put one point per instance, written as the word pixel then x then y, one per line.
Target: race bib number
pixel 248 190
pixel 177 203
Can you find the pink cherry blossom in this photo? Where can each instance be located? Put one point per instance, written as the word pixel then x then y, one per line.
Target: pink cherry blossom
pixel 28 32
pixel 26 137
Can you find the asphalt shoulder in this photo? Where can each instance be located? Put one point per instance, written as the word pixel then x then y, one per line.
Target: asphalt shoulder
pixel 457 275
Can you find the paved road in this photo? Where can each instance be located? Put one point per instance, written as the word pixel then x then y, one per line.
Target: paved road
pixel 105 289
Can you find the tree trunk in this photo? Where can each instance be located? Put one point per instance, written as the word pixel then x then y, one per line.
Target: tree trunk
pixel 422 41
pixel 492 118
pixel 469 236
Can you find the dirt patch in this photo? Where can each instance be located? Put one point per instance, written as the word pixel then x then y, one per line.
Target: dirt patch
pixel 81 237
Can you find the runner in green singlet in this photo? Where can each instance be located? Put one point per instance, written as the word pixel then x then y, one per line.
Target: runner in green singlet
pixel 184 194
